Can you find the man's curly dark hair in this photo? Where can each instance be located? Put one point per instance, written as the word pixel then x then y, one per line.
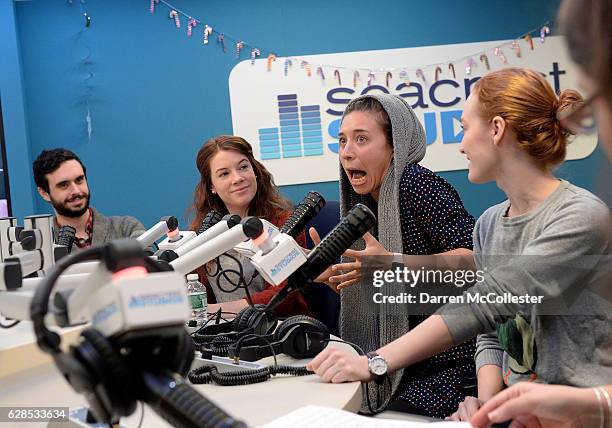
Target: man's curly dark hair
pixel 50 160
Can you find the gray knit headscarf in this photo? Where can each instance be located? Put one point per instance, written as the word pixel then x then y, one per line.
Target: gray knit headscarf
pixel 357 322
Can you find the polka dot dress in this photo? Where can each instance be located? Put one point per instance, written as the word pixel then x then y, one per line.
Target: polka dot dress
pixel 433 221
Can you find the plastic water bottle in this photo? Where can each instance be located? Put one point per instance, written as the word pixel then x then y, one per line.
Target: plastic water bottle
pixel 197 296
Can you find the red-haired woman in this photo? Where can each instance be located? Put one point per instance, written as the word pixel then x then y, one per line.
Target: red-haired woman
pixel 548 240
pixel 232 181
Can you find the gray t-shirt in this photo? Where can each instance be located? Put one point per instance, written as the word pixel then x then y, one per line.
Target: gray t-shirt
pixel 558 251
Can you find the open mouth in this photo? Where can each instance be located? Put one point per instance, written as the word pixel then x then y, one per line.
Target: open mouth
pixel 356 176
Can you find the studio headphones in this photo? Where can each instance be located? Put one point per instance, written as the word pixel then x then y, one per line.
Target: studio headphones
pixel 104 370
pixel 252 336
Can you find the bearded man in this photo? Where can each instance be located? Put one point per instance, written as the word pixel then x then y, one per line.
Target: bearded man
pixel 61 179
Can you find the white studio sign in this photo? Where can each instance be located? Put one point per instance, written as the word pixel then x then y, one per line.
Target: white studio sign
pixel 292 121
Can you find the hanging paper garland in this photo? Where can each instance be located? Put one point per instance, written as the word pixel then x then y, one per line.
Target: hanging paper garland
pixel 371 78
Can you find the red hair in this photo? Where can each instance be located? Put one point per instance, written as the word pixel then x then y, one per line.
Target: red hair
pixel 528 104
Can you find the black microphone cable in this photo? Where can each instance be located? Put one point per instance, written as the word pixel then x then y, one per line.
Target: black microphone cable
pixel 210 373
pixel 10 325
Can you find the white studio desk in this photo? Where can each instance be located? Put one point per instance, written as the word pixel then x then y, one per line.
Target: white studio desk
pixel 29 378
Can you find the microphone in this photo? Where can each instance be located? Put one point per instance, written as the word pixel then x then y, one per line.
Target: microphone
pixel 356 222
pixel 303 213
pixel 165 225
pixel 181 405
pixel 211 218
pixel 211 227
pixel 249 227
pixel 65 237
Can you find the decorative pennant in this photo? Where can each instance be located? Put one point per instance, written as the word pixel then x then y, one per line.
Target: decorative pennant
pixel 485 60
pixel 239 46
pixel 271 59
pixel 190 24
pixel 288 64
pixel 544 31
pixel 371 77
pixel 207 32
pixel 419 73
pixel 152 7
pixel 451 67
pixel 500 54
pixel 174 15
pixel 221 40
pixel 306 65
pixel 469 64
pixel 320 73
pixel 516 48
pixel 254 53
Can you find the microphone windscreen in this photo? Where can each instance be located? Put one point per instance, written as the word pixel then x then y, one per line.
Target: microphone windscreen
pixel 306 210
pixel 211 218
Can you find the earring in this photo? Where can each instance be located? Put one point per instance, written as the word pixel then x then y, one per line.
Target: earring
pixel 213 192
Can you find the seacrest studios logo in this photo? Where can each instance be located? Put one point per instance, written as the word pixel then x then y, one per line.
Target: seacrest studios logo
pixel 293 121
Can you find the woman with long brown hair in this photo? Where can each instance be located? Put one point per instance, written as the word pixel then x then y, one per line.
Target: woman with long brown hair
pixel 232 181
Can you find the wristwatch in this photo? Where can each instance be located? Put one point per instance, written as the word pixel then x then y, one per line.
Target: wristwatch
pixel 377 365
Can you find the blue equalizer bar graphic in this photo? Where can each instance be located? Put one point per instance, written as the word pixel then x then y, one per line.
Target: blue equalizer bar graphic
pixel 299 133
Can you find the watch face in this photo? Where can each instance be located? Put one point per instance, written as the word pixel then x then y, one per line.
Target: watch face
pixel 378 366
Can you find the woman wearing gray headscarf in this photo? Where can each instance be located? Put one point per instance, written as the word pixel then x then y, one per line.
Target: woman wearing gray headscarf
pixel 419 213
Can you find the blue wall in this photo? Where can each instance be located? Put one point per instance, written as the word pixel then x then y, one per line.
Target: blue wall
pixel 14 114
pixel 155 95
